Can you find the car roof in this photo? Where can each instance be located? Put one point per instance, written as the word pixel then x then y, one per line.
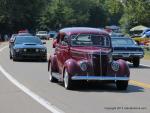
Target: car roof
pixel 77 30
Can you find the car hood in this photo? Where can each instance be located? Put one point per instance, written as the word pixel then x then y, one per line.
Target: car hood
pixel 29 45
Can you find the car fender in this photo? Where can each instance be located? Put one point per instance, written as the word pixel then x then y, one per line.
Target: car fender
pixel 71 66
pixel 123 68
pixel 53 61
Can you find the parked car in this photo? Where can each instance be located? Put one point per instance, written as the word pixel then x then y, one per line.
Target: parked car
pixel 28 47
pixel 126 49
pixel 85 54
pixel 43 35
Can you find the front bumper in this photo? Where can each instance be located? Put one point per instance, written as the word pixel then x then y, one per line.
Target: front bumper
pixel 99 78
pixel 126 55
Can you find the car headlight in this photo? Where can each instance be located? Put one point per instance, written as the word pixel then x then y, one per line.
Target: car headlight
pixel 115 66
pixel 37 50
pixel 24 50
pixel 17 50
pixel 83 66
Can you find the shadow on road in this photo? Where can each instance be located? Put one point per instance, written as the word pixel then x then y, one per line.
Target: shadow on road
pixel 33 61
pixel 140 67
pixel 99 87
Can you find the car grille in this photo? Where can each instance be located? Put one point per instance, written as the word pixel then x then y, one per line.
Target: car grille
pixel 127 49
pixel 31 50
pixel 99 64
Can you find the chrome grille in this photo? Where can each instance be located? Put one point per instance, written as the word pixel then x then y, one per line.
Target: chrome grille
pixel 99 64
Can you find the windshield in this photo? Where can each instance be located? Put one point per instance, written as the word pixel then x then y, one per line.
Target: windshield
pixel 27 39
pixel 122 41
pixel 90 40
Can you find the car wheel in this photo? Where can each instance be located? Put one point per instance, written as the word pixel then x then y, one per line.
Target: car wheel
pixel 122 85
pixel 67 80
pixel 14 59
pixel 51 78
pixel 136 62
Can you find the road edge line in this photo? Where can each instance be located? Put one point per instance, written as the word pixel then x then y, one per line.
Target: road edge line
pixel 27 91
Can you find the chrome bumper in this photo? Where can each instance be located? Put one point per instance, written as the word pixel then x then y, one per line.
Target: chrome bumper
pixel 98 78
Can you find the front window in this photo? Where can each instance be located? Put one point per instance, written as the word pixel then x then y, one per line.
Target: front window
pixel 122 41
pixel 90 40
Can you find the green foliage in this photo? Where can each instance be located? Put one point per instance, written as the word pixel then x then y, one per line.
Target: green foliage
pixel 136 12
pixel 55 14
pixel 17 14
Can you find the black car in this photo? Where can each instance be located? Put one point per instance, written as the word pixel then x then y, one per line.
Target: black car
pixel 28 47
pixel 125 48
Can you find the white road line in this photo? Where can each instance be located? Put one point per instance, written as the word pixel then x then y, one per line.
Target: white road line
pixel 144 65
pixel 34 96
pixel 1 49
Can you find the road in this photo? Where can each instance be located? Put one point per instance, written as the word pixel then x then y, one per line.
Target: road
pixel 33 93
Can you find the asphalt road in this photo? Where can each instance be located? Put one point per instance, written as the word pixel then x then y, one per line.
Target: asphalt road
pixel 37 95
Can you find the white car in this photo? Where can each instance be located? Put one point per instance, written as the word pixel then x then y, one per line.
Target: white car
pixel 42 35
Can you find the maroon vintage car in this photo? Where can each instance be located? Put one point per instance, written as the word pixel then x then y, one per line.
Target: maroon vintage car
pixel 85 54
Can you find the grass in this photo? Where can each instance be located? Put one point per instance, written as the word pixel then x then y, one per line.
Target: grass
pixel 147 54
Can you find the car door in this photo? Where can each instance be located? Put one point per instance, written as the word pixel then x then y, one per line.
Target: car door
pixel 62 51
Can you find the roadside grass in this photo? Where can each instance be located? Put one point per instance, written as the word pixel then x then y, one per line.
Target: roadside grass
pixel 147 54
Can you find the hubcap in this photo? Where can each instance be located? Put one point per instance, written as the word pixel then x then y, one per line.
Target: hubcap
pixel 66 79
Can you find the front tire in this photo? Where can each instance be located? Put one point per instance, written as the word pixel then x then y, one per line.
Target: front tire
pixel 122 85
pixel 51 78
pixel 136 62
pixel 67 80
pixel 14 58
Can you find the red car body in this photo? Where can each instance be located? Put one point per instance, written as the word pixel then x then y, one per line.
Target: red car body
pixel 71 63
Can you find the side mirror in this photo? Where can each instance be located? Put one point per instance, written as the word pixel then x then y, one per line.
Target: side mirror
pixel 44 42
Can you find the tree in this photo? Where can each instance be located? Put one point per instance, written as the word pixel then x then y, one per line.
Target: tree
pixel 16 14
pixel 136 13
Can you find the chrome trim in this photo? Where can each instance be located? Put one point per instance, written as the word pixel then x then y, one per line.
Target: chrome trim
pixel 124 52
pixel 128 53
pixel 101 62
pixel 98 78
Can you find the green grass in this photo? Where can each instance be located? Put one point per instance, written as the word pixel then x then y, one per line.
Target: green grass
pixel 147 54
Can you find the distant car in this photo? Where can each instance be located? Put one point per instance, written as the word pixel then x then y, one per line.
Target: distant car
pixel 28 47
pixel 85 54
pixel 52 34
pixel 24 34
pixel 43 35
pixel 145 31
pixel 113 34
pixel 12 39
pixel 126 49
pixel 141 40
